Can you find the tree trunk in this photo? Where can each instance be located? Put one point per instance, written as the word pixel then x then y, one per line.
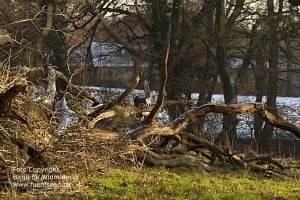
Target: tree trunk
pixel 208 74
pixel 163 81
pixel 273 72
pixel 260 74
pixel 175 85
pixel 54 41
pixel 228 87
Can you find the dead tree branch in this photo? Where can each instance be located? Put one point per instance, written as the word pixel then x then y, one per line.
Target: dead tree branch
pixel 164 77
pixel 73 89
pixel 103 115
pixel 182 121
pixel 111 104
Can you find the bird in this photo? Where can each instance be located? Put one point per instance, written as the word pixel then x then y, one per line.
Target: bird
pixel 141 102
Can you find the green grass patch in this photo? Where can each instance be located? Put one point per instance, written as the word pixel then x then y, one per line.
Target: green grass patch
pixel 186 183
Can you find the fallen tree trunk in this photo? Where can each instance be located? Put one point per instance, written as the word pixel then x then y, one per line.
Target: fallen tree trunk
pixel 154 159
pixel 162 148
pixel 101 116
pixel 199 152
pixel 182 121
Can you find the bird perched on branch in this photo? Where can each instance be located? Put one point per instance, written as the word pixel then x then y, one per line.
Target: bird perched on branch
pixel 141 102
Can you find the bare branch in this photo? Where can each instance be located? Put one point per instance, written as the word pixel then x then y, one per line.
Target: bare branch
pixel 182 121
pixel 164 76
pixel 111 104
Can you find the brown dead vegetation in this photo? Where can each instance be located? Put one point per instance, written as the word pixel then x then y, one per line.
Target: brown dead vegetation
pixel 28 137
